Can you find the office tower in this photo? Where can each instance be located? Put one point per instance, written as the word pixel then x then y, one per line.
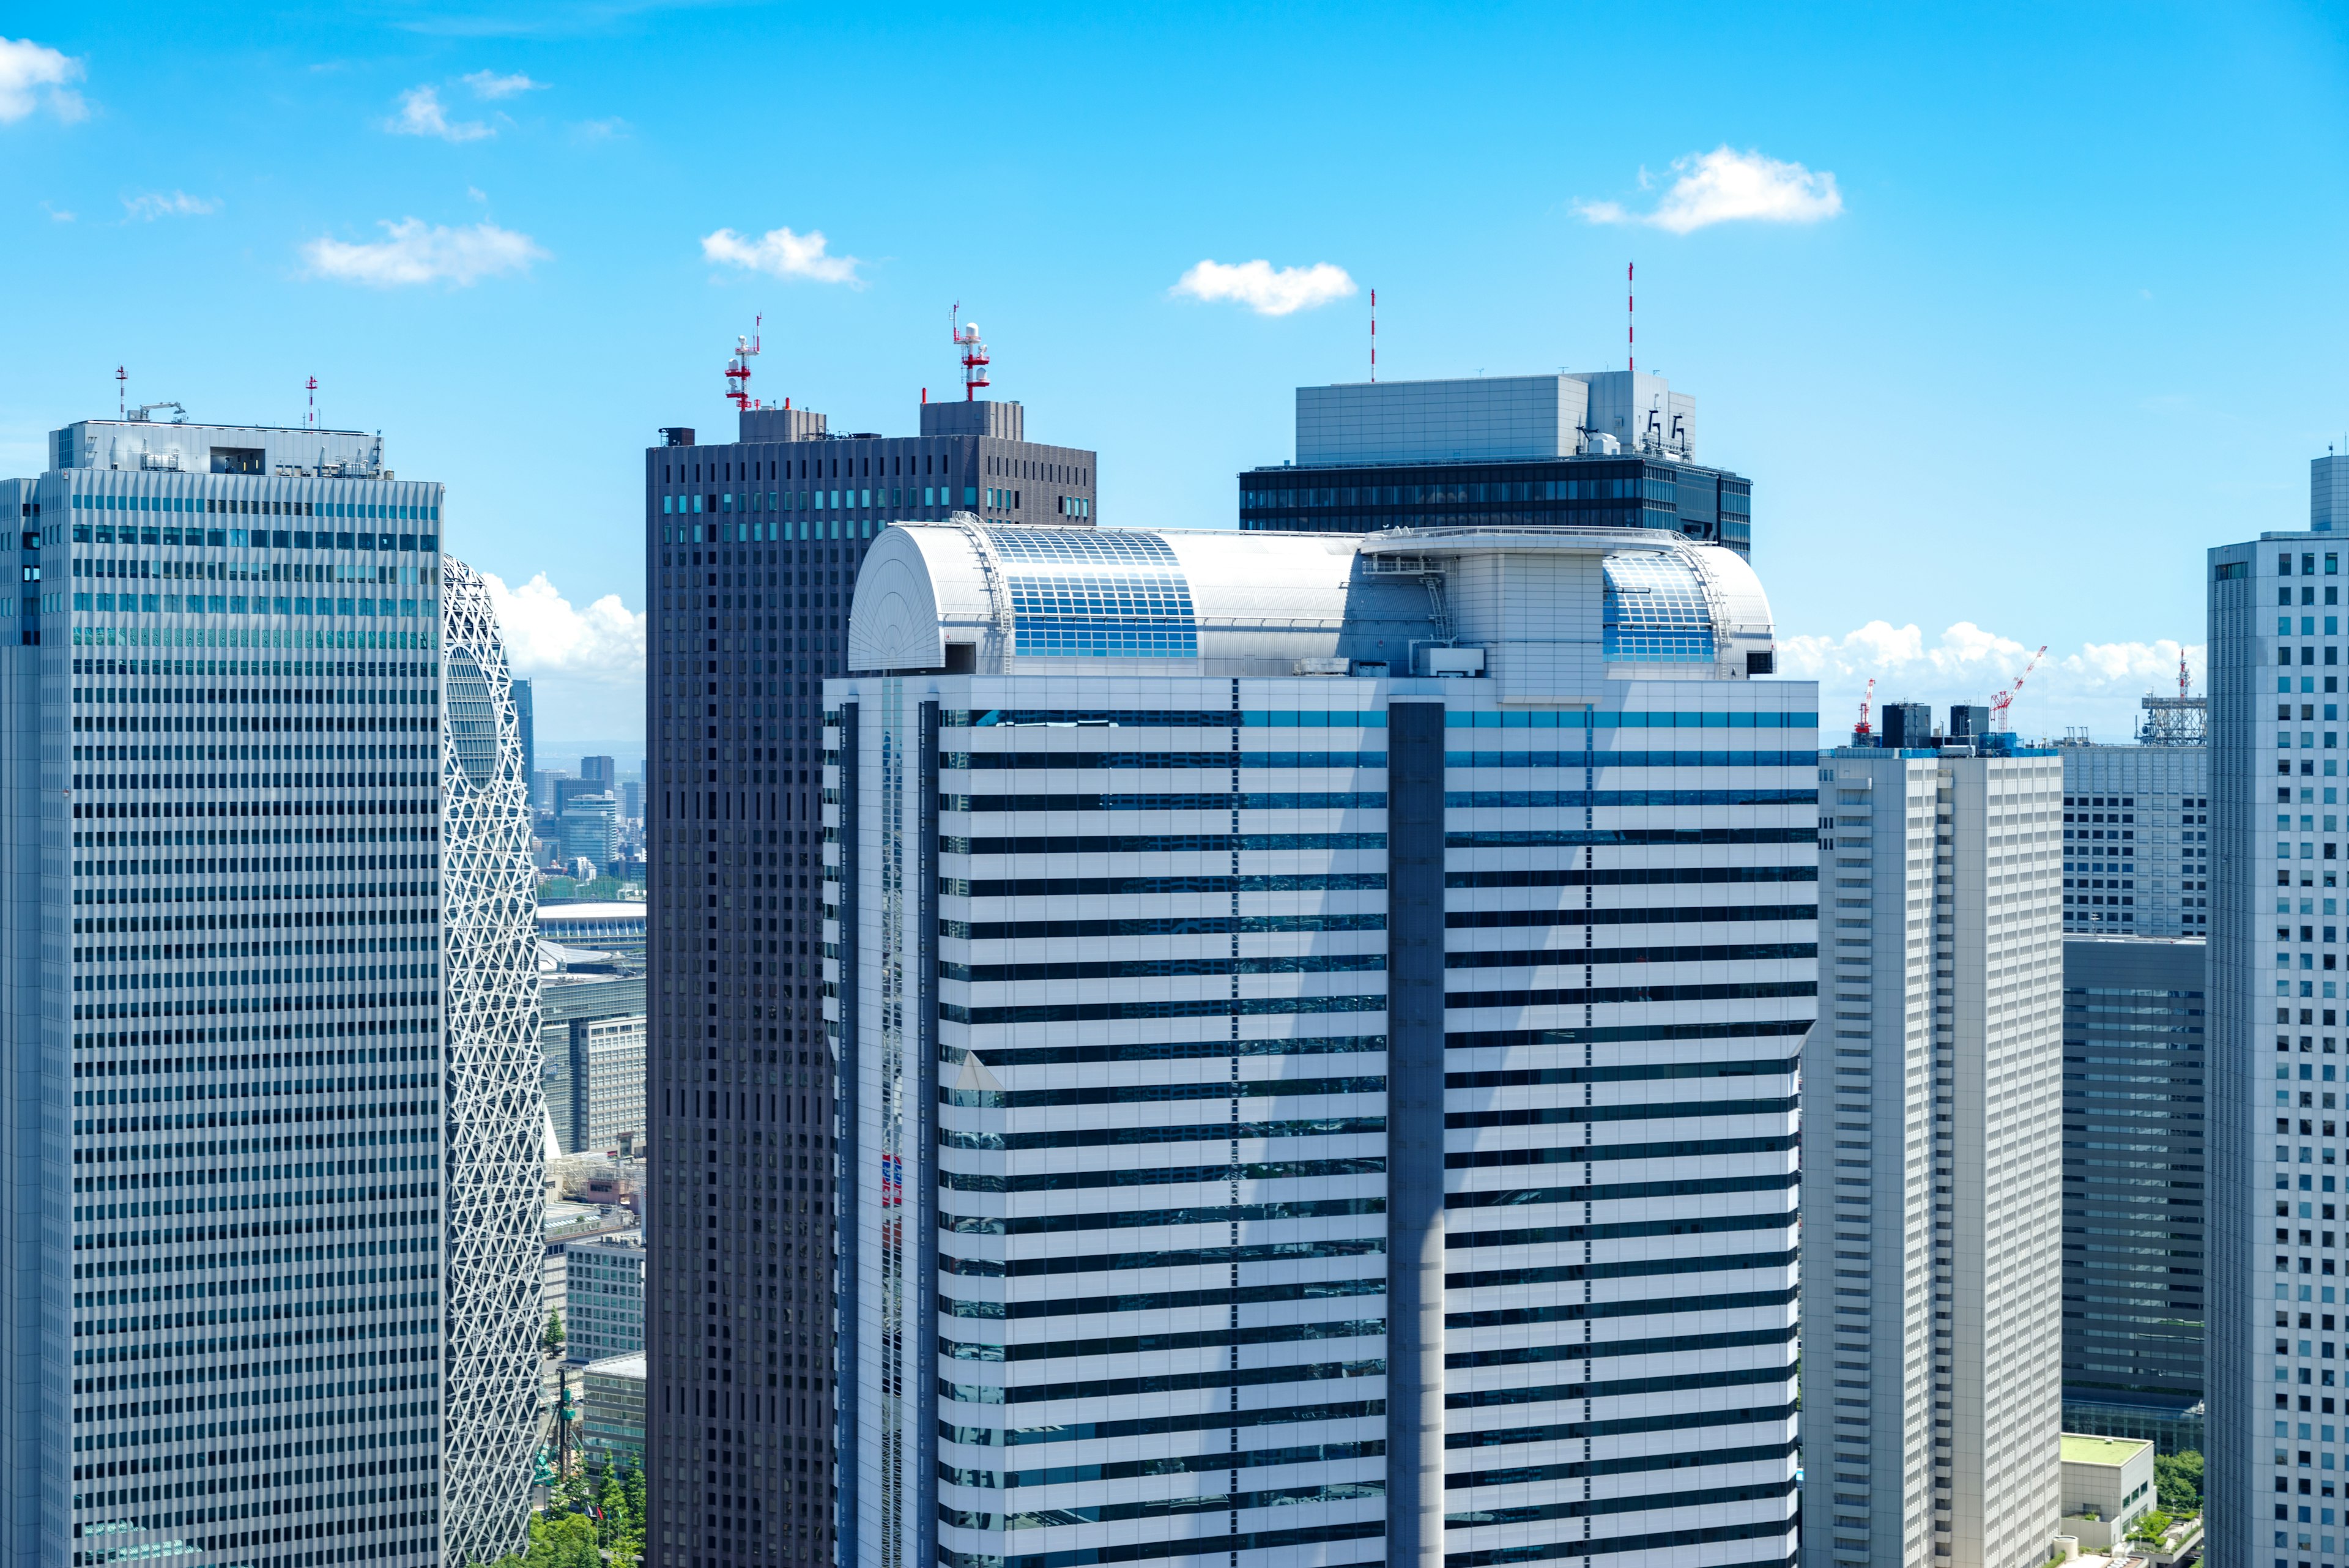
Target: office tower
pixel 589 827
pixel 526 726
pixel 2272 1426
pixel 1607 449
pixel 632 800
pixel 593 1041
pixel 602 774
pixel 612 1392
pixel 2328 494
pixel 1175 1225
pixel 1933 1196
pixel 751 550
pixel 605 1279
pixel 2136 1186
pixel 223 1312
pixel 496 1183
pixel 2137 839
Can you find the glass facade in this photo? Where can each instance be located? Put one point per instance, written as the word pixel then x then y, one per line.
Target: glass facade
pixel 1585 492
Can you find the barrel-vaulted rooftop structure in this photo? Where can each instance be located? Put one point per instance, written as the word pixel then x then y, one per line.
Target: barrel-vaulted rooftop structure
pixel 1548 613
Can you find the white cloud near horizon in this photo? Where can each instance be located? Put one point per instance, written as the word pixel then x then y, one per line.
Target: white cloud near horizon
pixel 149 205
pixel 491 86
pixel 414 253
pixel 548 637
pixel 422 114
pixel 2095 687
pixel 780 253
pixel 1263 289
pixel 33 75
pixel 1722 186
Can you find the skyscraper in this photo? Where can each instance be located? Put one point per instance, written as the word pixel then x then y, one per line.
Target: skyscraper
pixel 2137 840
pixel 1318 1019
pixel 1933 1344
pixel 526 730
pixel 751 550
pixel 1606 449
pixel 2275 1425
pixel 222 1184
pixel 497 1192
pixel 2136 1187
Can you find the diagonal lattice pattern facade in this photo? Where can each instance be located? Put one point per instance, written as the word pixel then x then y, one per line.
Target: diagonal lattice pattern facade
pixel 496 1110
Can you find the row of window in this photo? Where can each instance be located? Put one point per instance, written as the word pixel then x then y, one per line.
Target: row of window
pixel 252 538
pixel 109 501
pixel 897 463
pixel 231 604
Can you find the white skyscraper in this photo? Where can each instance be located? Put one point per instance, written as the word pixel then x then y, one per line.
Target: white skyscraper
pixel 2279 1449
pixel 1316 1021
pixel 1933 1352
pixel 223 1181
pixel 497 1109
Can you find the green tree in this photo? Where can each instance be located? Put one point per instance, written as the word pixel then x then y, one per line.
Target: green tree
pixel 552 1341
pixel 2178 1482
pixel 2151 1527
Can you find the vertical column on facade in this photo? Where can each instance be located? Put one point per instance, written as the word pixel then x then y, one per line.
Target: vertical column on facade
pixel 924 1137
pixel 1416 1135
pixel 849 1313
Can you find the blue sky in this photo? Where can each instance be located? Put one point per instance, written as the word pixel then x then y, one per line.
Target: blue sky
pixel 2026 306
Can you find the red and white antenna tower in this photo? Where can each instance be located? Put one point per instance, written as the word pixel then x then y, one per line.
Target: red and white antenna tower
pixel 737 369
pixel 2182 681
pixel 1374 335
pixel 2001 701
pixel 974 352
pixel 121 391
pixel 1631 347
pixel 311 418
pixel 1866 698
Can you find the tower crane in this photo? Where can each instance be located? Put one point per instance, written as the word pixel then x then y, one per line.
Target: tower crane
pixel 1866 698
pixel 2000 701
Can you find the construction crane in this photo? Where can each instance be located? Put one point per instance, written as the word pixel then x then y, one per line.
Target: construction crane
pixel 2000 701
pixel 1866 698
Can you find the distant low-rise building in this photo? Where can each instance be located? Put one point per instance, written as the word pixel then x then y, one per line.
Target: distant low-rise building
pixel 614 1391
pixel 605 1280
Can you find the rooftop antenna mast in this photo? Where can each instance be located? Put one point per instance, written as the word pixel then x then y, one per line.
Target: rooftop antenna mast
pixel 1630 346
pixel 737 369
pixel 122 388
pixel 2182 681
pixel 1374 336
pixel 974 352
pixel 311 418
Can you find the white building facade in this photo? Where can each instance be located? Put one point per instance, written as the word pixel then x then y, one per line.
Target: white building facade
pixel 1934 1354
pixel 2278 1445
pixel 1298 1110
pixel 223 1181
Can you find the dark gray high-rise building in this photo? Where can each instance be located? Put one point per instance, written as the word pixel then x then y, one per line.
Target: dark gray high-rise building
pixel 752 549
pixel 2136 1181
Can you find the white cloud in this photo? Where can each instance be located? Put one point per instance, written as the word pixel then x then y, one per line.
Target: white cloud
pixel 1263 290
pixel 57 214
pixel 32 75
pixel 783 253
pixel 547 636
pixel 420 114
pixel 588 132
pixel 1721 186
pixel 490 85
pixel 149 205
pixel 2095 688
pixel 412 253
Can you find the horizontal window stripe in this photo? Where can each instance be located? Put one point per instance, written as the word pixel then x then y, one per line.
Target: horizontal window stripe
pixel 1183 1050
pixel 1578 837
pixel 1629 1464
pixel 1579 958
pixel 1686 1187
pixel 1487 920
pixel 1158 1382
pixel 1169 968
pixel 1619 1426
pixel 1213 1132
pixel 1168 1301
pixel 1732 991
pixel 1132 1218
pixel 1670 1383
pixel 1601 757
pixel 1627 877
pixel 1557 1115
pixel 1162 843
pixel 1198 1007
pixel 1149 1425
pixel 1646 1541
pixel 1204 882
pixel 1159 1508
pixel 1154 800
pixel 1610 1035
pixel 1173 762
pixel 1165 1258
pixel 1576 1312
pixel 1669 1148
pixel 1594 1350
pixel 1158 1175
pixel 1158 925
pixel 1177 718
pixel 1145 1344
pixel 1635 1072
pixel 1142 1550
pixel 1547 1235
pixel 1602 799
pixel 1638 1268
pixel 1167 1465
pixel 1155 1094
pixel 1582 1508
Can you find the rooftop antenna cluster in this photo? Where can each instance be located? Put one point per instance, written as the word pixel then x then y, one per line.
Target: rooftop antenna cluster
pixel 973 348
pixel 737 369
pixel 121 391
pixel 310 418
pixel 1631 345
